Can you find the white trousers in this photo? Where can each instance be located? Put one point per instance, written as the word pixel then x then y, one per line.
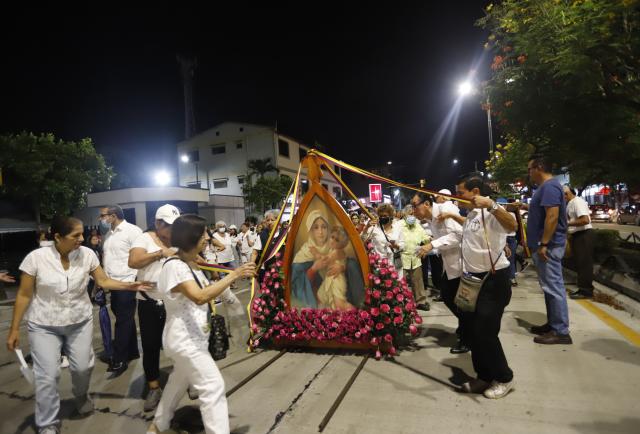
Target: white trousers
pixel 194 366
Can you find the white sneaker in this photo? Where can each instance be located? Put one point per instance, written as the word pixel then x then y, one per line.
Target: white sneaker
pixel 498 390
pixel 64 362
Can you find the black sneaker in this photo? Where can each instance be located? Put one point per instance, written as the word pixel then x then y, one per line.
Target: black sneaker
pixel 423 306
pixel 459 348
pixel 581 295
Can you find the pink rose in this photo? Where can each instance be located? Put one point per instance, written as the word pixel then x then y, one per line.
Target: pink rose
pixel 397 310
pixel 386 320
pixel 375 311
pixel 400 297
pixel 379 326
pixel 413 330
pixel 388 283
pixel 383 271
pixel 378 355
pixel 384 262
pixel 372 262
pixel 376 294
pixel 357 335
pixel 392 351
pixel 409 306
pixel 394 275
pixel 364 314
pixel 374 341
pixel 397 320
pixel 388 337
pixel 417 319
pixel 388 295
pixel 385 308
pixel 376 281
pixel 367 299
pixel 396 290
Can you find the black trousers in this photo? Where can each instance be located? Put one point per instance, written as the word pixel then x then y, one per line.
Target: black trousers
pixel 151 317
pixel 582 248
pixel 448 293
pixel 435 263
pixel 125 343
pixel 487 355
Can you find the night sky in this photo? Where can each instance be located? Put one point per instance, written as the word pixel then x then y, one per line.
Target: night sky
pixel 372 83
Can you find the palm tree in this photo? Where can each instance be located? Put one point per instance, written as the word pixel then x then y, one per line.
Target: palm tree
pixel 260 167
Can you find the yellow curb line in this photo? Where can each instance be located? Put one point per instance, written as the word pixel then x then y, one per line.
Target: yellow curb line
pixel 627 332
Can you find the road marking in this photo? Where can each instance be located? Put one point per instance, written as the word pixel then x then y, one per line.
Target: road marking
pixel 627 332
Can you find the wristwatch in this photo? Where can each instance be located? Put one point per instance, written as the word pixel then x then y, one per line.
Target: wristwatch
pixel 494 207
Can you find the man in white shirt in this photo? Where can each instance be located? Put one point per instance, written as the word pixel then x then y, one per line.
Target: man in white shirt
pixel 482 240
pixel 118 239
pixel 446 240
pixel 581 238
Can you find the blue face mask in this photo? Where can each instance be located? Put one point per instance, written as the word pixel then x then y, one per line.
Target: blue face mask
pixel 104 226
pixel 411 220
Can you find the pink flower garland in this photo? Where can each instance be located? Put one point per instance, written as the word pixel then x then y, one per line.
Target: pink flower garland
pixel 389 312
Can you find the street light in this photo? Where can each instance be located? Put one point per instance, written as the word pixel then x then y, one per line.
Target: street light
pixel 455 161
pixel 162 177
pixel 389 162
pixel 465 88
pixel 184 158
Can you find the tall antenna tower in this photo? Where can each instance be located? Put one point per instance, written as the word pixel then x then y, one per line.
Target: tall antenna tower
pixel 187 69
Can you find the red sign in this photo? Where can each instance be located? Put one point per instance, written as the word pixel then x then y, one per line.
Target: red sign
pixel 375 193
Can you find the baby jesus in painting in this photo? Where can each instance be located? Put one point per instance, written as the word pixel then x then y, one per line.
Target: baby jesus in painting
pixel 332 293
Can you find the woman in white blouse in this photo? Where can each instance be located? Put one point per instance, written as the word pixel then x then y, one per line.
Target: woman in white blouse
pixel 53 287
pixel 384 235
pixel 187 293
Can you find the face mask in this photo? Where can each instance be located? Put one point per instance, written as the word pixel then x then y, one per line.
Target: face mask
pixel 411 220
pixel 104 226
pixel 222 230
pixel 385 220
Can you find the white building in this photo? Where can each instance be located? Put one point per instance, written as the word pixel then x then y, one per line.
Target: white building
pixel 217 160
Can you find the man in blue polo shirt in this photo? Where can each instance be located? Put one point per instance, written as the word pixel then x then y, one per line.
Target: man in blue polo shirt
pixel 546 237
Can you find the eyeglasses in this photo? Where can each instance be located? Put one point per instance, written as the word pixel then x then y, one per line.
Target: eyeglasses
pixel 104 215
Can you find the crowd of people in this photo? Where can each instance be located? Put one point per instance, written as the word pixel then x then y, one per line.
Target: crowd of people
pixel 447 240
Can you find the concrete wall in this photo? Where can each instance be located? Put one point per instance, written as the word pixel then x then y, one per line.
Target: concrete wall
pixel 230 209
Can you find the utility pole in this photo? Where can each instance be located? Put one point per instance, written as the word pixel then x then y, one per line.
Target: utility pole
pixel 187 69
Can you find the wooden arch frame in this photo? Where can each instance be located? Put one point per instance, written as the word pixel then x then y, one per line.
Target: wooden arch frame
pixel 314 174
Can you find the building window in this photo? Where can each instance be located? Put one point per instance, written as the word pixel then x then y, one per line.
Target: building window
pixel 239 145
pixel 241 179
pixel 326 187
pixel 241 129
pixel 338 171
pixel 337 192
pixel 218 149
pixel 217 133
pixel 194 156
pixel 283 148
pixel 220 183
pixel 303 153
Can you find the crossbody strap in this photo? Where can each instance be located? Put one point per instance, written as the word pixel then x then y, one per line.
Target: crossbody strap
pixel 486 238
pixel 212 305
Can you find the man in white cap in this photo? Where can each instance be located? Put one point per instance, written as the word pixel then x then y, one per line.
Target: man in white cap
pixel 147 255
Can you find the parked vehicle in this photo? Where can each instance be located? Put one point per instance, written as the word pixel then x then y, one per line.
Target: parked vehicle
pixel 629 214
pixel 600 213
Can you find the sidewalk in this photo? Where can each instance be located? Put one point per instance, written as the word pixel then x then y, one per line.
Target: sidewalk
pixel 588 387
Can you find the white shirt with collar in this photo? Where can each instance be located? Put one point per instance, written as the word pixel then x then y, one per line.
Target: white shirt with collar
pixel 115 251
pixel 376 235
pixel 60 296
pixel 576 208
pixel 150 272
pixel 225 255
pixel 447 236
pixel 474 242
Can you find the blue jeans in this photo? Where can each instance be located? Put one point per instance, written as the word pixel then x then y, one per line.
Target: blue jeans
pixel 46 343
pixel 513 245
pixel 552 284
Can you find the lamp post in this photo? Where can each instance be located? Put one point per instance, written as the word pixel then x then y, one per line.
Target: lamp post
pixel 465 89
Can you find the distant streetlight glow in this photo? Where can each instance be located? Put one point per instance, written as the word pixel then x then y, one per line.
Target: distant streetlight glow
pixel 389 162
pixel 489 175
pixel 455 161
pixel 465 88
pixel 162 177
pixel 184 158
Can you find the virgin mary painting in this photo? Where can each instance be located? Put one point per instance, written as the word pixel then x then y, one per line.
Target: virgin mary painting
pixel 325 272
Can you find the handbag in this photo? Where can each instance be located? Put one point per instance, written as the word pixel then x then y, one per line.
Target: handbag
pixel 397 256
pixel 470 286
pixel 218 337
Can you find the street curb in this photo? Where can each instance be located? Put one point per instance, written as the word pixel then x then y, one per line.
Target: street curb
pixel 625 302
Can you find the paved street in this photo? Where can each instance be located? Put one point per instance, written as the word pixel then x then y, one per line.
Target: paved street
pixel 589 387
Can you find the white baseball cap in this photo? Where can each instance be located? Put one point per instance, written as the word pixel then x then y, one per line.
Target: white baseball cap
pixel 167 213
pixel 445 191
pixel 233 227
